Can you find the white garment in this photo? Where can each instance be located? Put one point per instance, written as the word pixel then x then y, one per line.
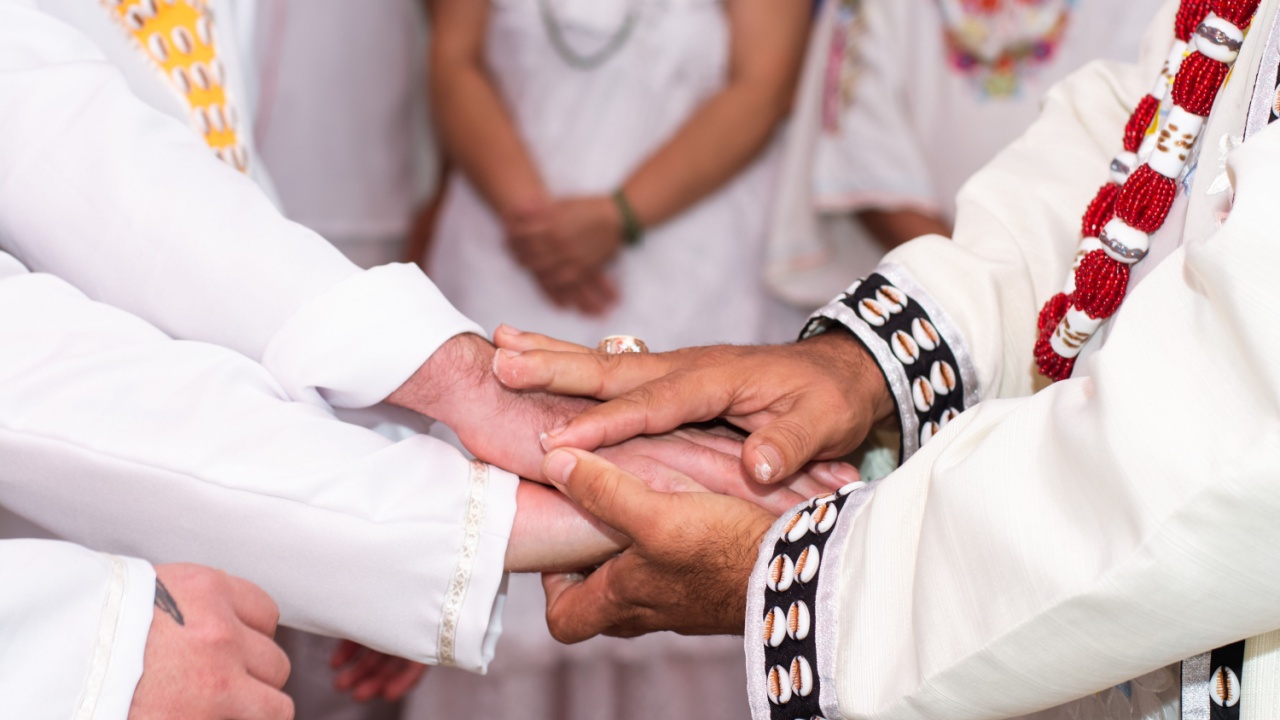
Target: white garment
pixel 695 278
pixel 1046 546
pixel 115 434
pixel 75 625
pixel 342 122
pixel 906 128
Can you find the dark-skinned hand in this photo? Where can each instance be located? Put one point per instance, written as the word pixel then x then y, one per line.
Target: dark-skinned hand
pixel 686 570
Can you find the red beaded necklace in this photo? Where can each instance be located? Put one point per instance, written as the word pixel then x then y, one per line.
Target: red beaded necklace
pixel 1118 224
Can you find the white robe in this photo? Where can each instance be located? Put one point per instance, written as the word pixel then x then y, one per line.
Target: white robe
pixel 1046 546
pixel 174 350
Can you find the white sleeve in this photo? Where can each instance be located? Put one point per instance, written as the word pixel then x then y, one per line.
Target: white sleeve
pixel 872 159
pixel 115 436
pixel 129 205
pixel 1045 547
pixel 75 625
pixel 1011 249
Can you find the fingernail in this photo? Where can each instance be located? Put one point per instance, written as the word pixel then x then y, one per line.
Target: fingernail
pixel 768 465
pixel 575 577
pixel 558 465
pixel 546 437
pixel 509 330
pixel 845 472
pixel 503 353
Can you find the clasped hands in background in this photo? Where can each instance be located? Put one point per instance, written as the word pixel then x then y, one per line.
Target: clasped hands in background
pixel 567 245
pixel 665 521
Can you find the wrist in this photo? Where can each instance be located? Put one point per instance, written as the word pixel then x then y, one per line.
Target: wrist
pixel 867 386
pixel 457 386
pixel 627 223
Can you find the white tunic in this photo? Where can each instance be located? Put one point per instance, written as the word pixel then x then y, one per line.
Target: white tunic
pixel 888 121
pixel 221 447
pixel 694 279
pixel 1043 547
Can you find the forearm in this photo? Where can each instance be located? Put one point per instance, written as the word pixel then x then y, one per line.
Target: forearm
pixel 123 439
pixel 716 143
pixel 892 228
pixel 457 387
pixel 481 137
pixel 546 523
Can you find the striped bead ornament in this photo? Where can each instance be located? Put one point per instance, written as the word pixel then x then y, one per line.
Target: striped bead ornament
pixel 1127 211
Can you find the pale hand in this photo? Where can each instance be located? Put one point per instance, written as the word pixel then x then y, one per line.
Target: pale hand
pixel 369 674
pixel 687 569
pixel 567 245
pixel 210 653
pixel 813 399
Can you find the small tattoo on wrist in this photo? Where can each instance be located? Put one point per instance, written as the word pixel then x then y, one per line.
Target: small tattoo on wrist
pixel 166 603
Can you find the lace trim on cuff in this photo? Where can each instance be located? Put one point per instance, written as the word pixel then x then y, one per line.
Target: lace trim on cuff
pixel 790 632
pixel 929 371
pixel 112 606
pixel 456 595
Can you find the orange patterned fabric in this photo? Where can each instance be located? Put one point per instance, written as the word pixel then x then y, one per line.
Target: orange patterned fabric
pixel 177 36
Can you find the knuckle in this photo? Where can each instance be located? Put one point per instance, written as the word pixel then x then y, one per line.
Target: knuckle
pixel 285 708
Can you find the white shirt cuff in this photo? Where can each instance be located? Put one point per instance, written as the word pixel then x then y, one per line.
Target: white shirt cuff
pixel 491 513
pixel 133 626
pixel 356 343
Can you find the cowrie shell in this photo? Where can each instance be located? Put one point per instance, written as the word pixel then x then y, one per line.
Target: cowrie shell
pixel 182 40
pixel 801 677
pixel 798 620
pixel 925 334
pixel 922 394
pixel 1224 687
pixel 158 47
pixel 823 518
pixel 873 312
pixel 782 572
pixel 904 347
pixel 927 432
pixel 779 685
pixel 797 527
pixel 857 485
pixel 893 299
pixel 943 377
pixel 948 415
pixel 775 627
pixel 807 564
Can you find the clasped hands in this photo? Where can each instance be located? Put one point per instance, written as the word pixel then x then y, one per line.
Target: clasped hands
pixel 669 516
pixel 567 245
pixel 691 553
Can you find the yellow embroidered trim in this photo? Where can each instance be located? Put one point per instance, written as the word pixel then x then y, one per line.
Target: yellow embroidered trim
pixel 177 36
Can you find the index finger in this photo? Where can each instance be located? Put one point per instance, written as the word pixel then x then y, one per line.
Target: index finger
pixel 585 374
pixel 510 338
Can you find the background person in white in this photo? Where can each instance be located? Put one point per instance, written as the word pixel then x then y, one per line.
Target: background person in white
pixel 173 641
pixel 1044 546
pixel 124 438
pixel 902 102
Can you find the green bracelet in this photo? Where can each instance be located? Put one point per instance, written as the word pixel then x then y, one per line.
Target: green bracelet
pixel 632 230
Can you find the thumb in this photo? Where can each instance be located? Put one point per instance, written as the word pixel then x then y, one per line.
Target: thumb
pixel 780 449
pixel 615 496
